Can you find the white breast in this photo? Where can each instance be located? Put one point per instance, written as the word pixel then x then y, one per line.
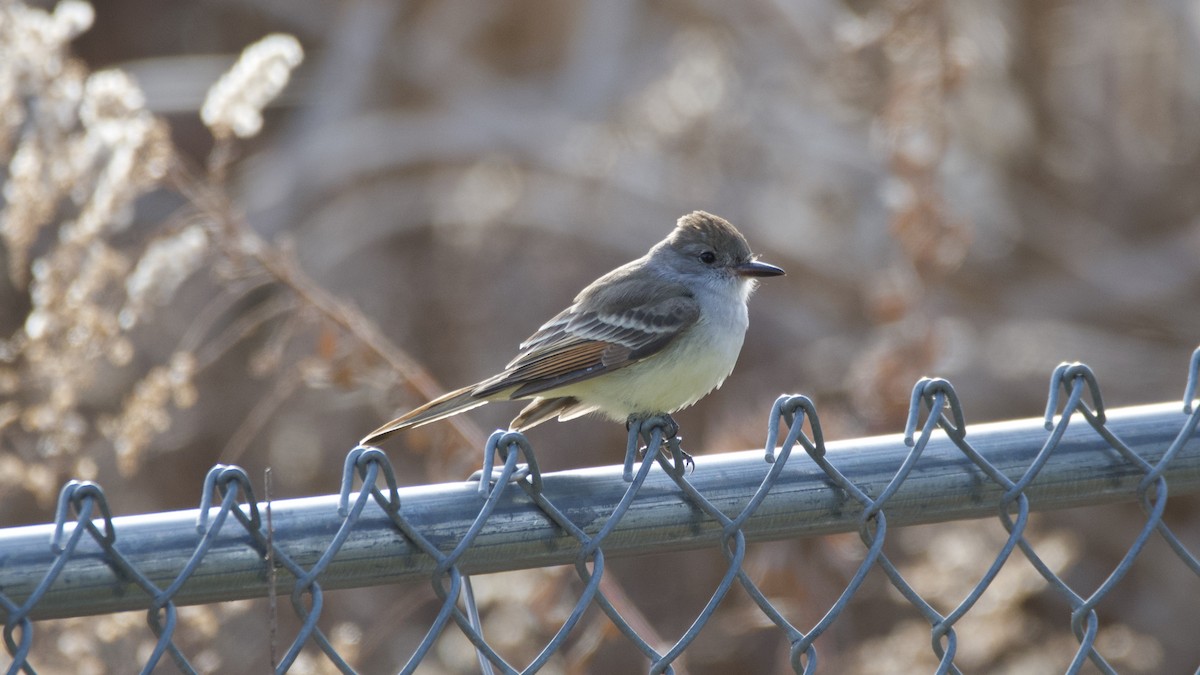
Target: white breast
pixel 690 367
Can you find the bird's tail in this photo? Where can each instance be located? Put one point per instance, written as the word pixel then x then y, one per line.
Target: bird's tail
pixel 542 409
pixel 439 408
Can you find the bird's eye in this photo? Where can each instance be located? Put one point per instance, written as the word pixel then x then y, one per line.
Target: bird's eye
pixel 708 257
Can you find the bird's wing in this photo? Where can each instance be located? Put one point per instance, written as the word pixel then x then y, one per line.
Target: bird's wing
pixel 626 325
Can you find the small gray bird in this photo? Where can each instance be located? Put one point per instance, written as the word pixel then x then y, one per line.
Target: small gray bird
pixel 649 338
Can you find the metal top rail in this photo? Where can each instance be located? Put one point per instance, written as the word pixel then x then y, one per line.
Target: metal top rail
pixel 802 500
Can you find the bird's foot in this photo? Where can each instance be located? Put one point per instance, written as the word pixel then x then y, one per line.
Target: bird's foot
pixel 646 423
pixel 669 447
pixel 686 458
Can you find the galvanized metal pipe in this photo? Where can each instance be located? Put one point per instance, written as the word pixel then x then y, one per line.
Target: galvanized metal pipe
pixel 943 486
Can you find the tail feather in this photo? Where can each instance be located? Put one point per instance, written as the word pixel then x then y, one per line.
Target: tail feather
pixel 542 409
pixel 439 408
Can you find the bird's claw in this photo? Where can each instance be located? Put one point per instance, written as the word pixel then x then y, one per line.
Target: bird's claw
pixel 684 455
pixel 688 462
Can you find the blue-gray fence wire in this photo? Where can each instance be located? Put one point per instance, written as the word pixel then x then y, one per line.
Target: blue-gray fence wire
pixel 511 516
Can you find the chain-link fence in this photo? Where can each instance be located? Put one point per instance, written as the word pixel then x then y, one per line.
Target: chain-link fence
pixel 88 562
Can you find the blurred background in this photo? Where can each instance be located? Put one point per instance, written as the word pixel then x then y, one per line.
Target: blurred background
pixel 971 190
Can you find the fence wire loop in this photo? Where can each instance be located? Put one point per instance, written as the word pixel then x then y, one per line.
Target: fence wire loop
pixel 1007 485
pixel 937 394
pixel 785 409
pixel 505 444
pixel 360 459
pixel 221 478
pixel 82 495
pixel 1071 377
pixel 1189 391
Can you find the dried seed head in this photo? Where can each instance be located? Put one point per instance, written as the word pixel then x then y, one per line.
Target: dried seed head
pixel 234 104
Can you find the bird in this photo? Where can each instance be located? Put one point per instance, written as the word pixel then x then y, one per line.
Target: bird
pixel 647 339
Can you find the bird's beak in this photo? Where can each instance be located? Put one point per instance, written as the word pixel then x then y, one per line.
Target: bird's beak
pixel 755 268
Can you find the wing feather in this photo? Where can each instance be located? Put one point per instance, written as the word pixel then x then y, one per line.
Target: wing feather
pixel 577 345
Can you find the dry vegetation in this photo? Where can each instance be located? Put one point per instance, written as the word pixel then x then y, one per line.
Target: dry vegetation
pixel 202 267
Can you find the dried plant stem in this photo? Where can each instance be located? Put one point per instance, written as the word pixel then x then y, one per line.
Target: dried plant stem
pixel 260 415
pixel 239 241
pixel 243 327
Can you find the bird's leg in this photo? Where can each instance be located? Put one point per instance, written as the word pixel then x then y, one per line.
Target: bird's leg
pixel 670 426
pixel 671 439
pixel 674 441
pixel 640 425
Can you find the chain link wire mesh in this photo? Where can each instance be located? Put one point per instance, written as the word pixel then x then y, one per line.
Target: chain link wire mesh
pixel 88 562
